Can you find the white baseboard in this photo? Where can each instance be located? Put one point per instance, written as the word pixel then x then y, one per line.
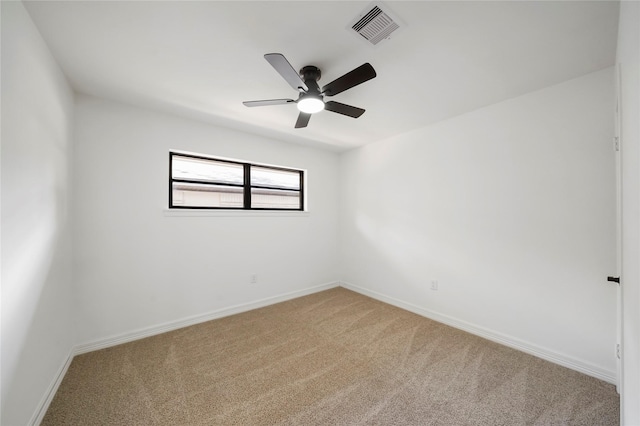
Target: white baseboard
pixel 196 319
pixel 574 364
pixel 532 349
pixel 43 406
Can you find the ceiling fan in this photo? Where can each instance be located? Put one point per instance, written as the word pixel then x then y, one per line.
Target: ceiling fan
pixel 311 96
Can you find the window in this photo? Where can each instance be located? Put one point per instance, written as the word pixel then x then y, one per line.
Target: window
pixel 198 182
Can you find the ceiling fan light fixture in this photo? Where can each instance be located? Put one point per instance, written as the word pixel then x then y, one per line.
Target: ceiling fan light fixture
pixel 310 104
pixel 311 96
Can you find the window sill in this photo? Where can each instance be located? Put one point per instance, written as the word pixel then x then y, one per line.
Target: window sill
pixel 232 213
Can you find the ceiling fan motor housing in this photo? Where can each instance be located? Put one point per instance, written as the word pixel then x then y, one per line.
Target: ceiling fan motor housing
pixel 310 73
pixel 310 101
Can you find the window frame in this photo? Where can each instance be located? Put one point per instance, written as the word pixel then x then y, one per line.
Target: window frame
pixel 245 186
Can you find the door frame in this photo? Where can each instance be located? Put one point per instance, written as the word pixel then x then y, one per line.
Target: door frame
pixel 618 177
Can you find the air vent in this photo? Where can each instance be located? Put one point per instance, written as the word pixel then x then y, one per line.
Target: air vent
pixel 375 24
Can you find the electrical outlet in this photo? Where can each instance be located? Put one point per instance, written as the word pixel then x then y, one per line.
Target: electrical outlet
pixel 434 284
pixel 253 279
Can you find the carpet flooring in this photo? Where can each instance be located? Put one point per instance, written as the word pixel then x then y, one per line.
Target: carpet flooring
pixel 330 358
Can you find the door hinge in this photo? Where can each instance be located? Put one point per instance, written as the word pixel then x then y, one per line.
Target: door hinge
pixel 614 279
pixel 618 354
pixel 616 143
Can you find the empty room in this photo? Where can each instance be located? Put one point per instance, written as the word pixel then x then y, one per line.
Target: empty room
pixel 320 213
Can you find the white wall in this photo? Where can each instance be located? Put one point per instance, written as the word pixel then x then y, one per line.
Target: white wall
pixel 37 309
pixel 136 266
pixel 628 56
pixel 511 208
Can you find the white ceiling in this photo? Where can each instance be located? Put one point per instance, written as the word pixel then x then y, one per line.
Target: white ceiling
pixel 202 59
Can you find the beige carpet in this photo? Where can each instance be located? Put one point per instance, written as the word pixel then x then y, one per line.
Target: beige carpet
pixel 331 358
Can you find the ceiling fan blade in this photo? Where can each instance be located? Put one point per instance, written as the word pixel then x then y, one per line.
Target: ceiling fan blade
pixel 268 102
pixel 284 68
pixel 354 77
pixel 303 120
pixel 343 109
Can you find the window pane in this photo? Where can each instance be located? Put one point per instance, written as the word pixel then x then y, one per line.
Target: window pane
pixel 274 199
pixel 261 176
pixel 207 170
pixel 198 195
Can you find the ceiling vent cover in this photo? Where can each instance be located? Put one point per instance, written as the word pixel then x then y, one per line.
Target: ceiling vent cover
pixel 375 24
